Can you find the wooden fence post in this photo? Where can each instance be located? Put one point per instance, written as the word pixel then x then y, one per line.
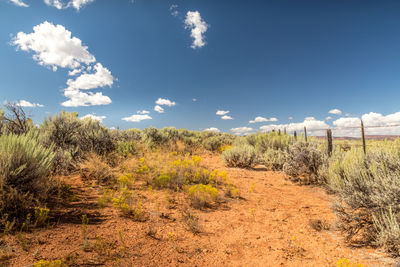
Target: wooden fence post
pixel 305 133
pixel 279 131
pixel 295 135
pixel 363 137
pixel 284 130
pixel 329 138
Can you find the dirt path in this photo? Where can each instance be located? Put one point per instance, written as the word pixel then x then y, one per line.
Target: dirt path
pixel 270 226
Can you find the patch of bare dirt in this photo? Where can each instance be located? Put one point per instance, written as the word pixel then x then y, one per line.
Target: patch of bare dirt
pixel 275 223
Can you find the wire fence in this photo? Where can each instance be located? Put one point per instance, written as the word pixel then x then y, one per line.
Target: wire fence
pixel 348 134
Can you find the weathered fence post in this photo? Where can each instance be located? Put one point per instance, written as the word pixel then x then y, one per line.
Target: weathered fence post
pixel 284 130
pixel 305 133
pixel 295 135
pixel 363 137
pixel 329 139
pixel 279 131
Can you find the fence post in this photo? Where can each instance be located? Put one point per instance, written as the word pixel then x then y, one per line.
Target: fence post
pixel 279 131
pixel 363 137
pixel 329 138
pixel 284 130
pixel 295 135
pixel 305 133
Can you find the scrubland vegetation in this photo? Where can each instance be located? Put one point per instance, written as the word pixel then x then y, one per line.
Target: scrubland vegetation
pixel 366 186
pixel 33 158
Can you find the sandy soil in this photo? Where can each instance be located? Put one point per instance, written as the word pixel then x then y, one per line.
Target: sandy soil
pixel 269 226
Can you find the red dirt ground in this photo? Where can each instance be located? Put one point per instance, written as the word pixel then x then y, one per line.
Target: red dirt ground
pixel 268 226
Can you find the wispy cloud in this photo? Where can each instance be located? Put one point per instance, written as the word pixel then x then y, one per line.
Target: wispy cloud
pixel 222 112
pixel 19 3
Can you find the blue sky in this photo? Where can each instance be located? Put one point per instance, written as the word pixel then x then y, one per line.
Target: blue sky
pixel 287 62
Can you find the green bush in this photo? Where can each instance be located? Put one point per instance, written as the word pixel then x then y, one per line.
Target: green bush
pixel 266 141
pixel 304 161
pixel 274 159
pixel 24 170
pixel 126 148
pixel 242 156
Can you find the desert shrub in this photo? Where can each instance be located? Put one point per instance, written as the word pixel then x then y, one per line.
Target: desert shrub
pixel 242 156
pixel 274 159
pixel 96 168
pixel 126 148
pixel 368 187
pixel 303 161
pixel 93 137
pixel 14 120
pixel 213 143
pixel 62 130
pixel 267 141
pixel 202 195
pixel 24 175
pixel 154 137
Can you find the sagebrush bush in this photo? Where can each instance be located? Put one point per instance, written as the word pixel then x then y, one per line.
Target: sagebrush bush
pixel 126 149
pixel 76 136
pixel 274 159
pixel 303 162
pixel 368 190
pixel 24 175
pixel 267 141
pixel 242 156
pixel 202 195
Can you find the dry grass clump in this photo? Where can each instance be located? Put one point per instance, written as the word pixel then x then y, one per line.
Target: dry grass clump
pixel 95 168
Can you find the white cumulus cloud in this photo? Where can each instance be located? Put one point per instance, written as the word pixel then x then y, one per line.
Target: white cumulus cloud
pixel 81 99
pixel 165 102
pixel 159 109
pixel 100 78
pixel 262 119
pixel 137 118
pixel 242 130
pixel 226 117
pixel 212 129
pixel 198 28
pixel 27 104
pixel 94 117
pixel 77 4
pixel 335 111
pixel 54 46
